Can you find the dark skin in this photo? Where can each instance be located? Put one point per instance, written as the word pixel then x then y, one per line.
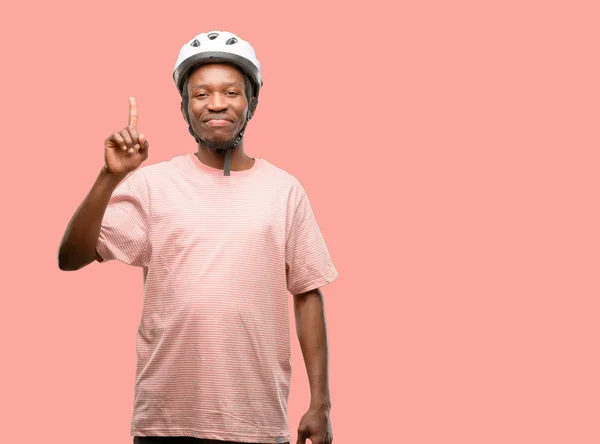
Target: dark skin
pixel 124 151
pixel 312 335
pixel 214 91
pixel 218 92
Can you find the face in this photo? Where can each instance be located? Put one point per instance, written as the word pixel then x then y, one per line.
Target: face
pixel 217 104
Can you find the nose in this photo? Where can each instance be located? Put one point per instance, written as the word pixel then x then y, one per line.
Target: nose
pixel 217 102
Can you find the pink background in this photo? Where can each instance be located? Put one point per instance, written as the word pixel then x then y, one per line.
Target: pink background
pixel 450 151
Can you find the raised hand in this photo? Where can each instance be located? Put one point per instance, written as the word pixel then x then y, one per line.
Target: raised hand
pixel 125 150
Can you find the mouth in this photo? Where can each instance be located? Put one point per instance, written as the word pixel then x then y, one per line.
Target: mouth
pixel 218 122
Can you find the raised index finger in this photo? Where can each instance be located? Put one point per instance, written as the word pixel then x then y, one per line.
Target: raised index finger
pixel 133 112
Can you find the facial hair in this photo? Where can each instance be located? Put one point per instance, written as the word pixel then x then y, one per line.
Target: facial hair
pixel 220 147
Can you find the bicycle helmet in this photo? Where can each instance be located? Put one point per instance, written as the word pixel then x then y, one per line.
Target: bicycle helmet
pixel 218 47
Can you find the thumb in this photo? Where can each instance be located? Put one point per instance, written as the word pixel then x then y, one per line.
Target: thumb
pixel 302 435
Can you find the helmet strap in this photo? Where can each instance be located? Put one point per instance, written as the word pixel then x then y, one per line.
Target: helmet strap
pixel 234 144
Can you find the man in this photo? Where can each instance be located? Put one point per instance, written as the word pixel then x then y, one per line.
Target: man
pixel 221 238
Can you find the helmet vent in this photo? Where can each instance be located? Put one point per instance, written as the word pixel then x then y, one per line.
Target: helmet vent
pixel 231 41
pixel 195 43
pixel 213 35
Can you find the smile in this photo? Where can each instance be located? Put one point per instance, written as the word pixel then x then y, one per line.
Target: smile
pixel 218 122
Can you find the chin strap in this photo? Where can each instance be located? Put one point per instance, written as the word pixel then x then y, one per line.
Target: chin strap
pixel 236 142
pixel 227 164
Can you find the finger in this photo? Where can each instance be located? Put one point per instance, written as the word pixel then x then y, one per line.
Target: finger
pixel 125 135
pixel 133 112
pixel 134 136
pixel 143 143
pixel 119 140
pixel 302 435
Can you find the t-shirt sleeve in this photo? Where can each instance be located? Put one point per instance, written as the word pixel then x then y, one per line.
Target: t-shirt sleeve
pixel 308 263
pixel 124 232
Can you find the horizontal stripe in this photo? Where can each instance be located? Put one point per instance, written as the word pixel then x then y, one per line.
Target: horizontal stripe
pixel 220 256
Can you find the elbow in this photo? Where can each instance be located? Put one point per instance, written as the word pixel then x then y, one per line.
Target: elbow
pixel 66 267
pixel 64 264
pixel 68 261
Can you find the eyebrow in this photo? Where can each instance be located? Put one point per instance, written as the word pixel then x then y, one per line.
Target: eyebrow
pixel 225 85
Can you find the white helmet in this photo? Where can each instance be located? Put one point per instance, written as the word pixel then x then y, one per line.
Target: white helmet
pixel 218 47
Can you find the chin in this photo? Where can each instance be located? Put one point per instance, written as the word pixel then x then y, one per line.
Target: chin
pixel 218 135
pixel 219 144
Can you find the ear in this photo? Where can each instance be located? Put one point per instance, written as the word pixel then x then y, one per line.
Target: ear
pixel 183 114
pixel 252 107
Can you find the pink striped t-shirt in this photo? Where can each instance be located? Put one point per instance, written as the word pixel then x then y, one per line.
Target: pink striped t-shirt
pixel 219 255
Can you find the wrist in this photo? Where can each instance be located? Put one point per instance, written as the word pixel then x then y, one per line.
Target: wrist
pixel 107 174
pixel 321 402
pixel 108 180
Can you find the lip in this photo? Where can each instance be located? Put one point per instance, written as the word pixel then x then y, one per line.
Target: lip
pixel 217 117
pixel 217 122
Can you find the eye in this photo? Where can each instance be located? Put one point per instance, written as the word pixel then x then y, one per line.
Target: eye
pixel 232 93
pixel 201 95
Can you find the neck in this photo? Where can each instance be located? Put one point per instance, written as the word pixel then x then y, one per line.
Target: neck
pixel 239 160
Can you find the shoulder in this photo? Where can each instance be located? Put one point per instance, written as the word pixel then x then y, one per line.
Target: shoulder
pixel 160 170
pixel 146 178
pixel 282 177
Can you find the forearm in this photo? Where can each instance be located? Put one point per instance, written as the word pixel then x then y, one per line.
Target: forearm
pixel 78 245
pixel 312 336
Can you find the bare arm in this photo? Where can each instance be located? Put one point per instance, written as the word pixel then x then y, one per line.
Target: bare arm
pixel 312 335
pixel 78 245
pixel 124 151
